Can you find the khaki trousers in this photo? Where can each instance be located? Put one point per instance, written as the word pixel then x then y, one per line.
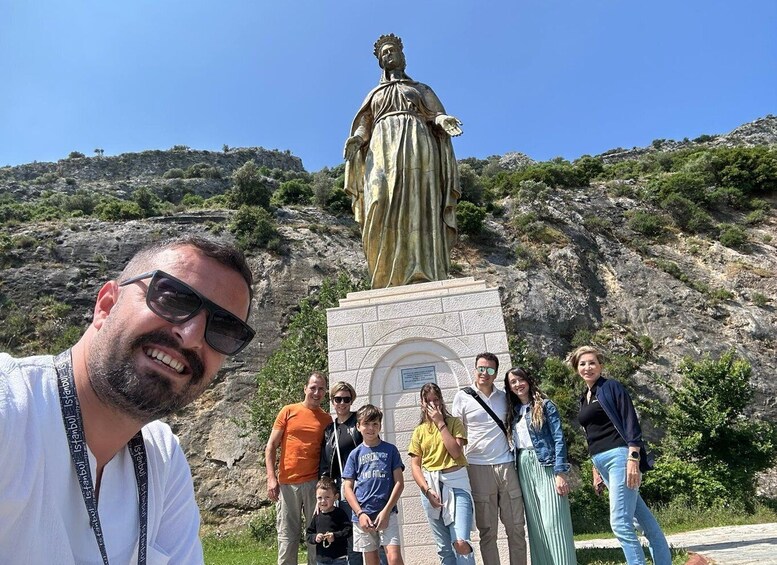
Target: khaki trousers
pixel 293 501
pixel 497 496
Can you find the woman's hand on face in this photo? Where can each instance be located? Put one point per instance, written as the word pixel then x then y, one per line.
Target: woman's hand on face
pixel 633 475
pixel 435 414
pixel 562 487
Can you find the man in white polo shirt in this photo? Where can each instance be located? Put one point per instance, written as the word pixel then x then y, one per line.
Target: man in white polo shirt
pixel 495 488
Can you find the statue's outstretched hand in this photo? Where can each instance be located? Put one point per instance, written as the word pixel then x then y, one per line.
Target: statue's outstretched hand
pixel 451 125
pixel 352 146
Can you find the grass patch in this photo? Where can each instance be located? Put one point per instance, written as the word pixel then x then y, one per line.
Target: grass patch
pixel 676 518
pixel 240 549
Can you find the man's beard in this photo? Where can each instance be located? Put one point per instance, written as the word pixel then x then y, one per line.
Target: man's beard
pixel 144 396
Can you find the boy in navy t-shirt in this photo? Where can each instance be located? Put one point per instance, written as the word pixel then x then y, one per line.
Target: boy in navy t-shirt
pixel 373 482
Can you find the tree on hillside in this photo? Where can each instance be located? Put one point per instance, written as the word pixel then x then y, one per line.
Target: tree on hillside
pixel 249 187
pixel 713 447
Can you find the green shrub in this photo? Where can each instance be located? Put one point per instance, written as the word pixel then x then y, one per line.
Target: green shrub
pixel 75 155
pixel 173 174
pixel 759 204
pixel 750 169
pixel 732 235
pixel 338 202
pixel 646 223
pixel 536 230
pixel 687 214
pixel 13 212
pixel 760 300
pixel 192 201
pixel 254 228
pixel 530 191
pixel 588 168
pixel 47 178
pixel 202 171
pixel 755 217
pixel 689 185
pixel 557 173
pixel 673 479
pixel 217 201
pixel 728 196
pixel 294 191
pixel 470 217
pixel 112 209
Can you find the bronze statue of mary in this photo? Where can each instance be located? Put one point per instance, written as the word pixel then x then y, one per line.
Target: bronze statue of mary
pixel 402 175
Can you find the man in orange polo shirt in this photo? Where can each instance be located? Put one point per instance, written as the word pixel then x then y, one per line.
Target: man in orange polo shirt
pixel 298 430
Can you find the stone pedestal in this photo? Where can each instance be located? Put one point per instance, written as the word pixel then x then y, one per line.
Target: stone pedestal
pixel 387 343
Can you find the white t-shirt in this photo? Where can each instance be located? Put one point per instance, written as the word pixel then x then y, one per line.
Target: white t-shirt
pixel 43 518
pixel 486 443
pixel 521 437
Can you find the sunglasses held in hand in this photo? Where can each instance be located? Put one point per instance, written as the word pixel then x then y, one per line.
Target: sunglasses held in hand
pixel 176 302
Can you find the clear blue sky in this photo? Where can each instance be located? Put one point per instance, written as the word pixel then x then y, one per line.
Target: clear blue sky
pixel 543 77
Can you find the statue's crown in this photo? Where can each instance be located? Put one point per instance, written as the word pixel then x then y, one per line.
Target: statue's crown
pixel 383 40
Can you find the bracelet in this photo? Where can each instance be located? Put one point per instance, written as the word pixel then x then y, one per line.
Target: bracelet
pixel 426 492
pixel 359 515
pixel 444 425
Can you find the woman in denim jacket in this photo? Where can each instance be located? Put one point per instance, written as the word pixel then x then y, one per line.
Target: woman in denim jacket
pixel 541 462
pixel 618 453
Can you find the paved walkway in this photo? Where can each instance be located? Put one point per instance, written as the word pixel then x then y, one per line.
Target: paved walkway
pixel 728 545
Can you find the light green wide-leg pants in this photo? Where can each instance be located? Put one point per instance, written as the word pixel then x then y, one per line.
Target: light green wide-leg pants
pixel 548 518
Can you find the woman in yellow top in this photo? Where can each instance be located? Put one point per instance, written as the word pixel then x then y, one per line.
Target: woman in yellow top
pixel 440 470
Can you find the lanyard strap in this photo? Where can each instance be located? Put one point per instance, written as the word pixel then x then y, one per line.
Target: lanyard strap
pixel 74 430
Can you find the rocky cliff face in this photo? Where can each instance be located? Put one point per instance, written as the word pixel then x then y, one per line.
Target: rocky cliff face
pixel 593 273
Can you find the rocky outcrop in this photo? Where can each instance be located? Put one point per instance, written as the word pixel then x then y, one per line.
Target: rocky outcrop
pixel 762 131
pixel 121 174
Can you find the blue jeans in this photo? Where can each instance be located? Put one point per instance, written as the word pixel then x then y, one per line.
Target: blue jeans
pixel 626 508
pixel 457 530
pixel 356 557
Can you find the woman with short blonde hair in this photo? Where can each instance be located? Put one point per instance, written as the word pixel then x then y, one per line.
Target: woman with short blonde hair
pixel 618 453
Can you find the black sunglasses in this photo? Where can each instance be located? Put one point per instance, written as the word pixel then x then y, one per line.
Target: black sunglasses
pixel 341 399
pixel 176 302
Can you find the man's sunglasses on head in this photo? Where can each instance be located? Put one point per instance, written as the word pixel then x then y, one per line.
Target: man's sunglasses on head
pixel 490 371
pixel 176 302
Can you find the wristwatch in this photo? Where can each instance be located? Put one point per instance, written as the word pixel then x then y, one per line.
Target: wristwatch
pixel 634 455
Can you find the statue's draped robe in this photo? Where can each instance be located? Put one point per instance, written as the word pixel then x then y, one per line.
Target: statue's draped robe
pixel 404 185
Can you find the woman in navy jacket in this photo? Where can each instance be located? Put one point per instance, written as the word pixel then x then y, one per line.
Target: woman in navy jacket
pixel 618 453
pixel 541 462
